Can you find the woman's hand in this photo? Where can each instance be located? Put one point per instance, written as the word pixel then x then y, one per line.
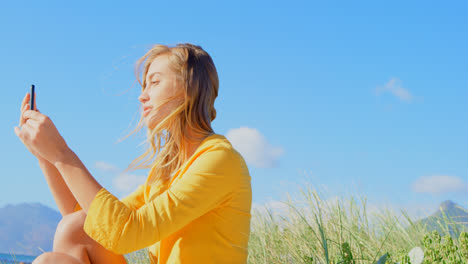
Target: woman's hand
pixel 39 134
pixel 24 107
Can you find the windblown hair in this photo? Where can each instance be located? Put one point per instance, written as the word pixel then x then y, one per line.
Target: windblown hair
pixel 198 79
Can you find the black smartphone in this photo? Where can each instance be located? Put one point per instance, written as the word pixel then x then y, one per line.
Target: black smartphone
pixel 31 98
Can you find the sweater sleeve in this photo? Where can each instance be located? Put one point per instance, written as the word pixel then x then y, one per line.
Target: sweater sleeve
pixel 210 180
pixel 134 200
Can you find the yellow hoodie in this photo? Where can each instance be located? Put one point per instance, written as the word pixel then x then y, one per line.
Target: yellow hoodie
pixel 202 217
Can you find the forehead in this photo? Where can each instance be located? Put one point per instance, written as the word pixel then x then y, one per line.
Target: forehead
pixel 159 66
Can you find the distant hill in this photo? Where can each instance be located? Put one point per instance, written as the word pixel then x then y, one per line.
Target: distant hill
pixel 452 211
pixel 26 227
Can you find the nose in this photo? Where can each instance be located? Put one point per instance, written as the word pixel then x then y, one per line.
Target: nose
pixel 143 97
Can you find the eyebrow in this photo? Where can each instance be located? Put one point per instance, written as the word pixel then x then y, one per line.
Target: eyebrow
pixel 151 76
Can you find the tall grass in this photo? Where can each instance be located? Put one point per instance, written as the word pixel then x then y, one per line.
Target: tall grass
pixel 318 231
pixel 340 232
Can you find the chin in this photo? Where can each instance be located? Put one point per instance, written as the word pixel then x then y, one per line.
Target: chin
pixel 150 125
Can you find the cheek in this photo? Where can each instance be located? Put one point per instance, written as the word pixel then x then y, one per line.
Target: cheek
pixel 152 94
pixel 157 99
pixel 157 94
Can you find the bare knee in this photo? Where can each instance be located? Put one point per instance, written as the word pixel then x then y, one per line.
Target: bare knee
pixel 69 231
pixel 71 239
pixel 56 258
pixel 43 258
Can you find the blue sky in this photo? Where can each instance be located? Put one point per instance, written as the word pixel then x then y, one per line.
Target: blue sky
pixel 364 98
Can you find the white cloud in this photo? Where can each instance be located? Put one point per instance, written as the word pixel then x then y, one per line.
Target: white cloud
pixel 123 183
pixel 104 166
pixel 275 207
pixel 128 182
pixel 395 88
pixel 254 148
pixel 439 184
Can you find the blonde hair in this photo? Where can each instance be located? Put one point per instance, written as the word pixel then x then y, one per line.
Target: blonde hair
pixel 197 76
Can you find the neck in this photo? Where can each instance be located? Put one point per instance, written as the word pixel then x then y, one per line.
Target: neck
pixel 192 147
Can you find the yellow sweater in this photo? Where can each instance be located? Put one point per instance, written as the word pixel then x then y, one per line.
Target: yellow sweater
pixel 202 217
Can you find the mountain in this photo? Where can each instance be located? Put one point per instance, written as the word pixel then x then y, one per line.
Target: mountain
pixel 448 210
pixel 26 227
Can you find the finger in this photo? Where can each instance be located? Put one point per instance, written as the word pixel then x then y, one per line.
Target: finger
pixel 31 114
pixel 21 121
pixel 26 107
pixel 32 123
pixel 17 132
pixel 24 132
pixel 35 105
pixel 25 100
pixel 27 131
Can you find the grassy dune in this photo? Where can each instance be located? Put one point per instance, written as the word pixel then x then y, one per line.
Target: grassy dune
pixel 343 232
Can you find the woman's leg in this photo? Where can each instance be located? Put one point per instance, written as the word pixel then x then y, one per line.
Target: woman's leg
pixel 56 258
pixel 71 239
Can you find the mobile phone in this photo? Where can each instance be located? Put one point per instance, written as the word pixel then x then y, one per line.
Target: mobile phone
pixel 31 98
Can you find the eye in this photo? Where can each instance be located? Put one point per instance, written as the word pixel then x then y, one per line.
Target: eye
pixel 154 82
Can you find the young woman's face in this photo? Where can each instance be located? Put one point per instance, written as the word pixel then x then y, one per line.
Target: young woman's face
pixel 160 85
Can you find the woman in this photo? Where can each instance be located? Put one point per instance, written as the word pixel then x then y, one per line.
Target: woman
pixel 195 204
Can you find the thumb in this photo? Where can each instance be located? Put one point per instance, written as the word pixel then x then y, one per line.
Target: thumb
pixel 16 131
pixel 35 105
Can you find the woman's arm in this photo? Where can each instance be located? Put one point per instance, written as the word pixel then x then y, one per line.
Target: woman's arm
pixel 39 134
pixel 81 183
pixel 63 197
pixel 212 179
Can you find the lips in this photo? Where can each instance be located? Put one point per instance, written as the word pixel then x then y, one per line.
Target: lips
pixel 146 110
